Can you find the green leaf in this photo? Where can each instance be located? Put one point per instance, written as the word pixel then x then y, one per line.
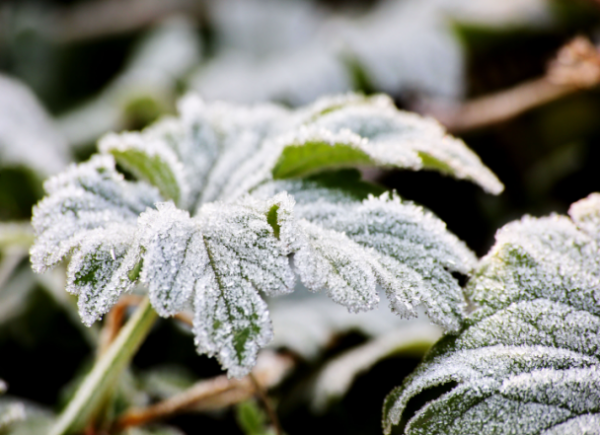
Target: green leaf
pixel 251 419
pixel 526 360
pixel 232 229
pixel 348 247
pixel 158 165
pixel 374 133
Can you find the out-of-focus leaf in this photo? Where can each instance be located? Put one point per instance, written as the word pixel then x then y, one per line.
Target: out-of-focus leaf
pixel 28 137
pixel 161 59
pixel 19 417
pixel 398 46
pixel 251 418
pixel 152 430
pixel 16 234
pixel 412 338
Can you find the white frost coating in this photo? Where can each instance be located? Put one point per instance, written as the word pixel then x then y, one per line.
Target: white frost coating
pixel 27 135
pixel 407 250
pixel 541 258
pixel 222 150
pixel 329 260
pixel 586 214
pixel 534 322
pixel 480 373
pixel 383 136
pixel 395 243
pixel 391 133
pixel 160 161
pixel 87 196
pixel 231 320
pixel 217 259
pixel 527 360
pixel 174 257
pixel 558 388
pixel 219 137
pixel 95 273
pixel 588 424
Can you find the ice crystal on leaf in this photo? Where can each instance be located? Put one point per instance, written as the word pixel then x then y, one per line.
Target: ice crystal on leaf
pixel 527 360
pixel 231 201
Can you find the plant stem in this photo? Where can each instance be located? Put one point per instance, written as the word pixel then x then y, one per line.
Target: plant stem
pixel 106 371
pixel 260 391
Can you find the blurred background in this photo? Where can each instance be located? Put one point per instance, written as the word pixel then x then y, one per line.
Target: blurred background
pixel 506 76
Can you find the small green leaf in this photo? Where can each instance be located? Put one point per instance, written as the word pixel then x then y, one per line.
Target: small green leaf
pixel 251 418
pixel 151 161
pixel 310 157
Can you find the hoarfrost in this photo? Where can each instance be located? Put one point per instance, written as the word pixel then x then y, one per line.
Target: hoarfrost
pixel 221 213
pixel 527 359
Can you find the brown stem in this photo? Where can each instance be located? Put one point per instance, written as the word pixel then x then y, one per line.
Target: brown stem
pixel 212 393
pixel 266 401
pixel 576 67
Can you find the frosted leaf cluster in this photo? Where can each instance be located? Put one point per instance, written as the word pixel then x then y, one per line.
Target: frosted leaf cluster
pixel 233 201
pixel 527 360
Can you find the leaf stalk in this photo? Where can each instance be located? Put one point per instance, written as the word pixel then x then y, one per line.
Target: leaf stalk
pixel 106 371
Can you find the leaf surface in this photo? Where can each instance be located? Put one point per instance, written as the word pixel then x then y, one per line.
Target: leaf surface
pixel 526 360
pixel 229 201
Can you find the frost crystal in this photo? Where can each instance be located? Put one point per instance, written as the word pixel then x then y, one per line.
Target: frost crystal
pixel 526 361
pixel 231 201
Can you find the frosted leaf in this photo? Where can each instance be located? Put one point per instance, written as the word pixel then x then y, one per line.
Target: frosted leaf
pixel 97 272
pixel 526 360
pixel 164 55
pixel 241 217
pixel 149 160
pixel 358 132
pixel 28 136
pixel 231 319
pixel 348 244
pixel 84 197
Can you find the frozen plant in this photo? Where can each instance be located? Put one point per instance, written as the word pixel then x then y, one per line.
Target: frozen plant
pixel 526 361
pixel 229 202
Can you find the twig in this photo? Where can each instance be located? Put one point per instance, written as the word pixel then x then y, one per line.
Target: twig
pixel 576 67
pixel 269 371
pixel 266 401
pixel 101 18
